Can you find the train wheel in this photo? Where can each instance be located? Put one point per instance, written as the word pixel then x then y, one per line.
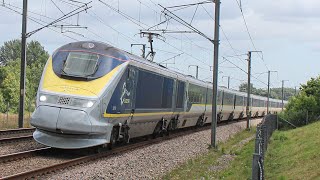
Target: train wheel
pixel 200 121
pixel 158 130
pixel 113 138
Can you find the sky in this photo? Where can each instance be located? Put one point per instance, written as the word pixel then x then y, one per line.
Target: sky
pixel 286 31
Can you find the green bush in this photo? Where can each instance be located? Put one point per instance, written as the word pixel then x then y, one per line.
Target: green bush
pixel 304 107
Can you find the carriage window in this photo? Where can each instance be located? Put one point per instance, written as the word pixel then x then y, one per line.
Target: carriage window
pixel 262 103
pixel 239 101
pixel 180 94
pixel 149 90
pixel 167 93
pixel 209 97
pixel 228 99
pixel 197 94
pixel 220 93
pixel 255 103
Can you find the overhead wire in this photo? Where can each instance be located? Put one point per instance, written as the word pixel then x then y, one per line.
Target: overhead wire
pixel 57 7
pixel 249 34
pixel 36 20
pixel 223 32
pixel 192 43
pixel 244 71
pixel 130 18
pixel 166 42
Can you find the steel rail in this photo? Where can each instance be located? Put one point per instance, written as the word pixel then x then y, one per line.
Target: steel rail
pixel 15 131
pixel 20 155
pixel 14 139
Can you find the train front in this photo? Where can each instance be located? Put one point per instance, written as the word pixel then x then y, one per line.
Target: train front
pixel 76 83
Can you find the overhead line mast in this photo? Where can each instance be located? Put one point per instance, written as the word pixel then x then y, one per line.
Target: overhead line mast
pixel 215 75
pixel 24 36
pixel 216 42
pixel 23 62
pixel 249 89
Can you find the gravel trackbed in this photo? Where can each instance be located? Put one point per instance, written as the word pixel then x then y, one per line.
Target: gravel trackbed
pixel 153 161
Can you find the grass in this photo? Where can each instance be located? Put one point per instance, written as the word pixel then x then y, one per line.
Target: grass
pixel 240 167
pixel 294 154
pixel 10 121
pixel 200 167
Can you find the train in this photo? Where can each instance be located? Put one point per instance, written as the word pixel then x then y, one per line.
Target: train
pixel 92 94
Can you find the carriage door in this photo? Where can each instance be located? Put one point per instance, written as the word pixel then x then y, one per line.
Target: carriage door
pixel 128 92
pixel 122 100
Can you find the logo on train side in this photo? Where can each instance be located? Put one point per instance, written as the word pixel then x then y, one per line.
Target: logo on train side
pixel 124 95
pixel 69 89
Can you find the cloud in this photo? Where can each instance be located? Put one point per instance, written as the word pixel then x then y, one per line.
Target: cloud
pixel 274 25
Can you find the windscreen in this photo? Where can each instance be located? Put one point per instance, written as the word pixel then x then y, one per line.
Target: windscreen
pixel 80 64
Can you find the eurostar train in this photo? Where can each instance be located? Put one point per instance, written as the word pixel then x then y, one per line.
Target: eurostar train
pixel 93 94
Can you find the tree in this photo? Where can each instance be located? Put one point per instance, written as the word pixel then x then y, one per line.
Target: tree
pixel 11 50
pixel 10 85
pixel 10 72
pixel 244 86
pixel 36 53
pixel 2 103
pixel 275 93
pixel 312 88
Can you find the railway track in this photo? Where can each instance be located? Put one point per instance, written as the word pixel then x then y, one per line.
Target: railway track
pixel 37 173
pixel 20 155
pixel 13 135
pixel 14 139
pixel 15 131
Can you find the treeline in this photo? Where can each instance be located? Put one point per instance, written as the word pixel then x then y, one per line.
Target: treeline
pixel 303 104
pixel 10 54
pixel 275 93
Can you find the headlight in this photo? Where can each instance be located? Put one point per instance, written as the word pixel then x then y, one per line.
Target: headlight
pixel 48 98
pixel 43 98
pixel 82 103
pixel 68 101
pixel 90 104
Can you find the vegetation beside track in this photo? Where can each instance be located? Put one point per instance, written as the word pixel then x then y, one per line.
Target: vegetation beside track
pixel 294 154
pixel 10 121
pixel 232 160
pixel 305 106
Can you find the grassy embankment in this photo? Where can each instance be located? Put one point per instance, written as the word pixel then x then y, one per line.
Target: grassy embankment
pixel 230 155
pixel 292 154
